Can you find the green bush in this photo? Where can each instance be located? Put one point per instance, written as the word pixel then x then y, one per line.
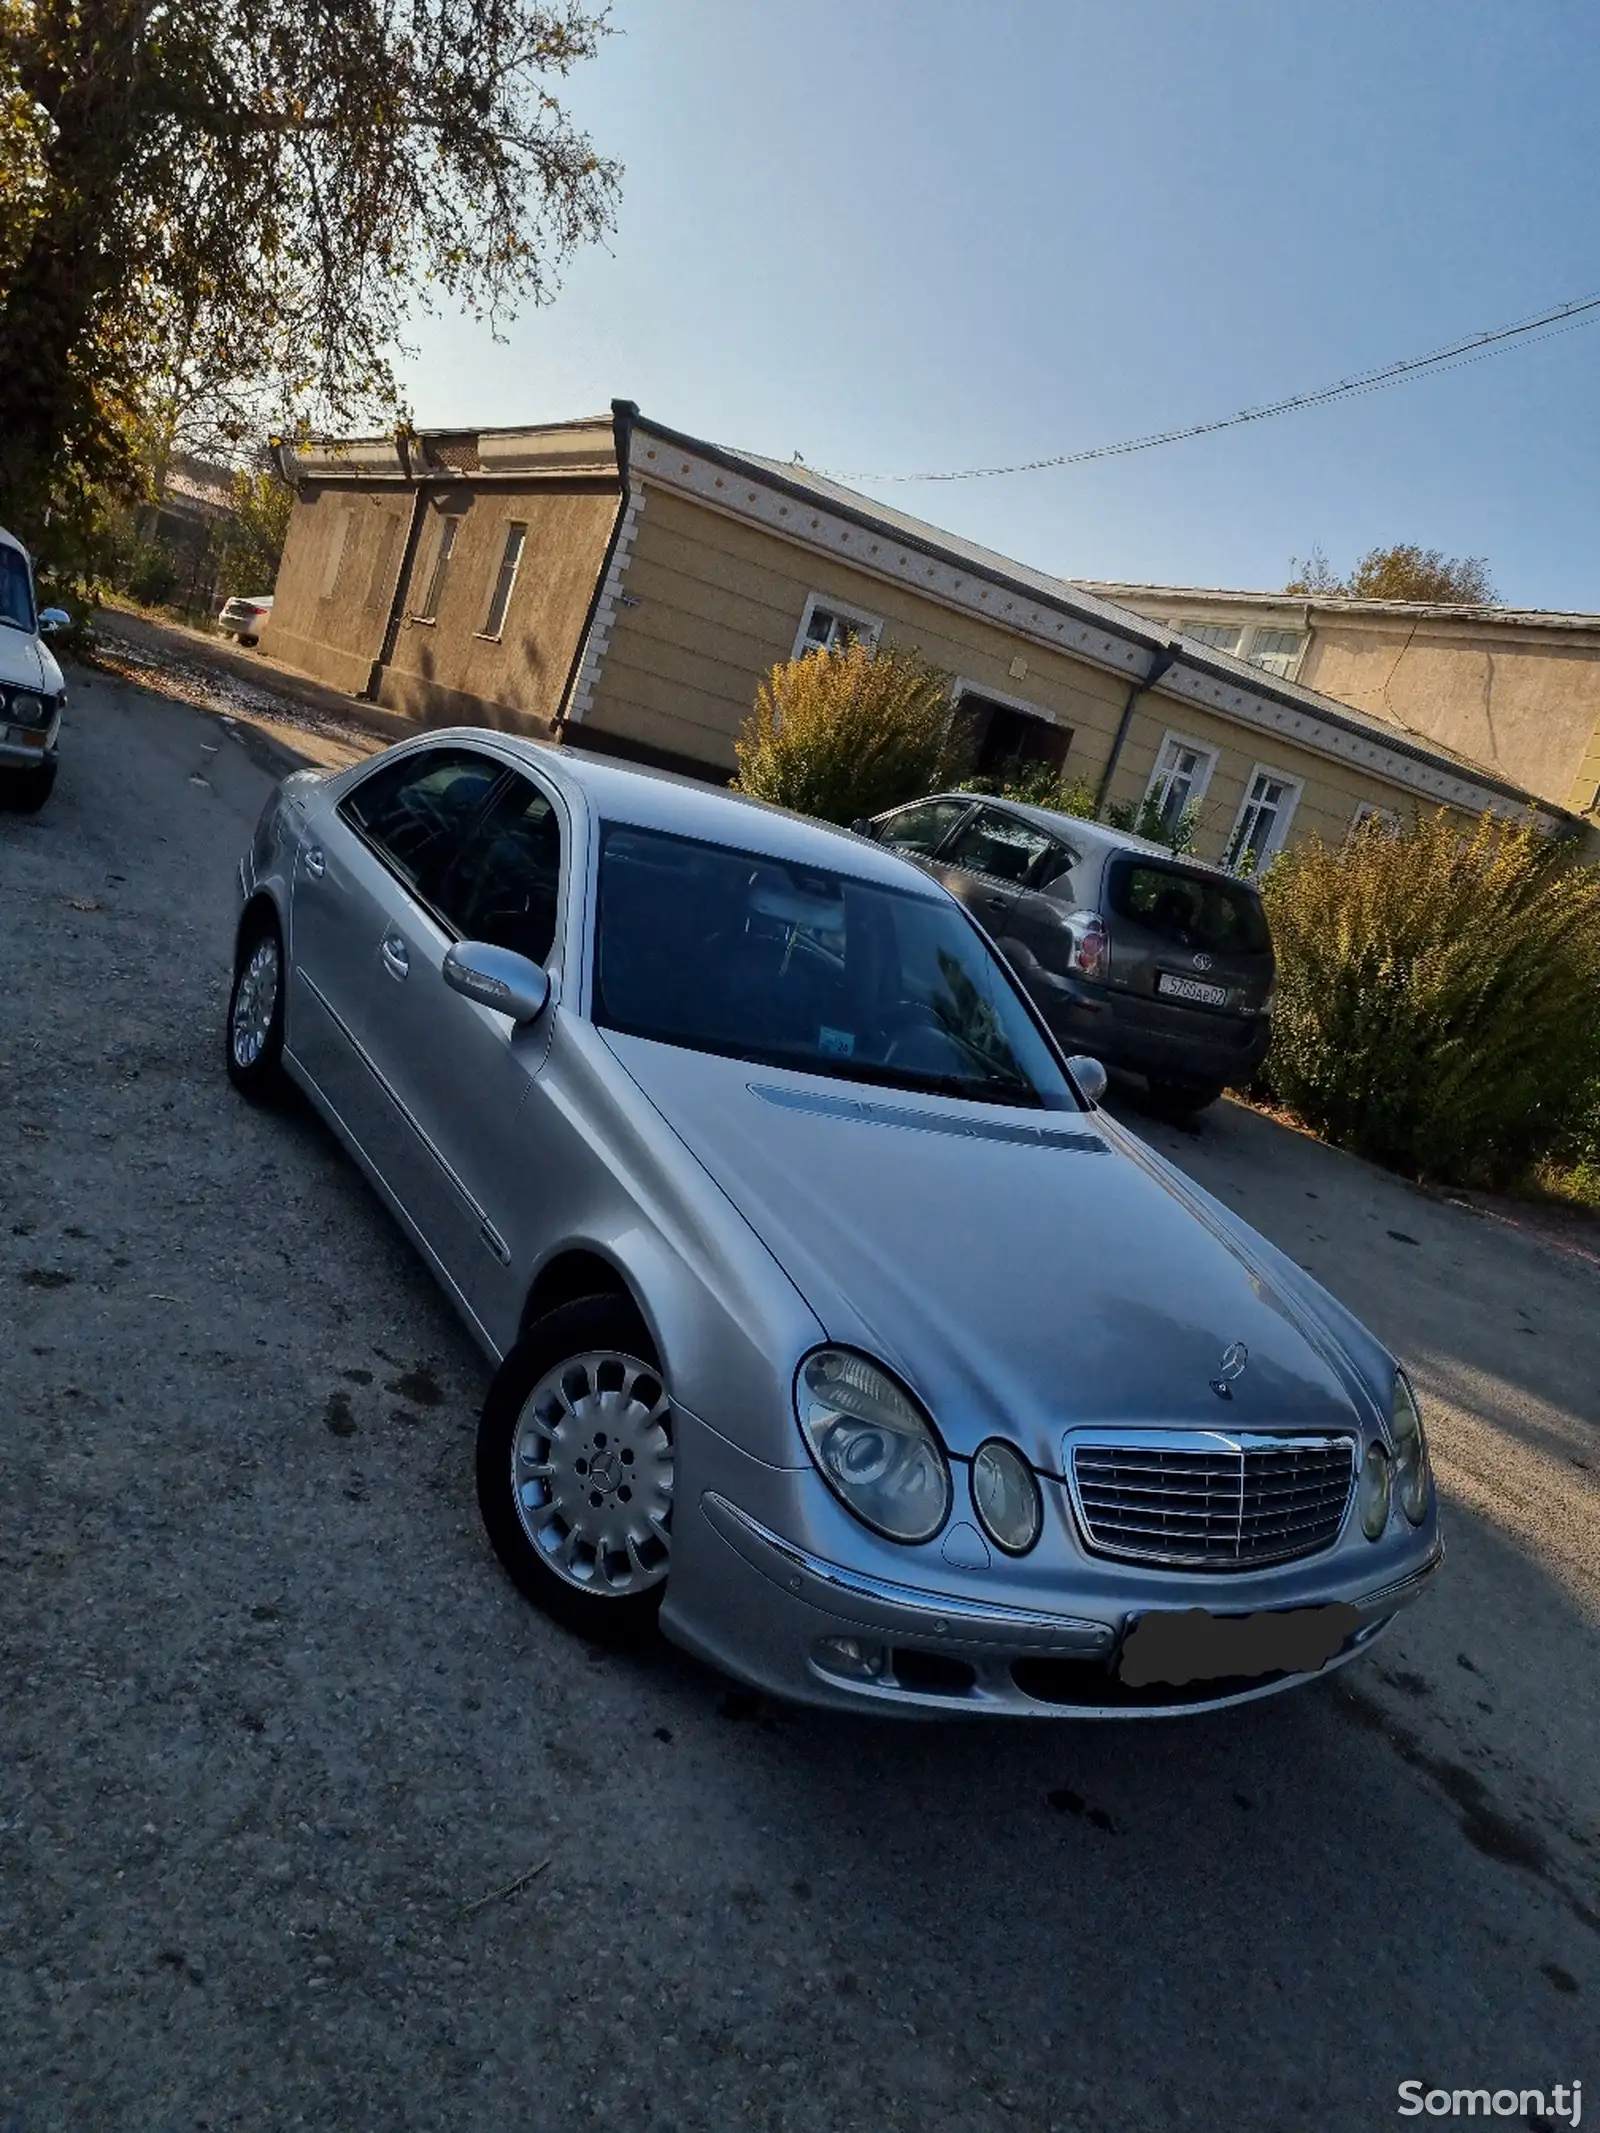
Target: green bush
pixel 1035 785
pixel 849 732
pixel 1147 821
pixel 1439 997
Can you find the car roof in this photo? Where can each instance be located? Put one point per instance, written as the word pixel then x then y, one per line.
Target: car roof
pixel 682 806
pixel 9 540
pixel 1079 829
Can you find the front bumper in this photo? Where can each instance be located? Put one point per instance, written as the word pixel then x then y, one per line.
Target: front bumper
pixel 29 747
pixel 782 1616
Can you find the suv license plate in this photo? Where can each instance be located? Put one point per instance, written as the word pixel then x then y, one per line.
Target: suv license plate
pixel 1198 1646
pixel 1191 989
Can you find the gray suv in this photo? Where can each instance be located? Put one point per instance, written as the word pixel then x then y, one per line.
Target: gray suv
pixel 1147 962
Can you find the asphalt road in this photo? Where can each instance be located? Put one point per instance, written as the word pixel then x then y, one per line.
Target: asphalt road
pixel 306 1819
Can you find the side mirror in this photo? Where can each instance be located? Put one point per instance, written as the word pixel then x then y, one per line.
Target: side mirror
pixel 1090 1077
pixel 52 620
pixel 862 827
pixel 498 978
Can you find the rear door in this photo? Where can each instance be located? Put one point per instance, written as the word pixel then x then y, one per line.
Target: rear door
pixel 917 832
pixel 987 862
pixel 1185 937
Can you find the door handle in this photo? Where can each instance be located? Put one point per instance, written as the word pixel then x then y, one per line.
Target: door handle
pixel 316 865
pixel 996 903
pixel 396 957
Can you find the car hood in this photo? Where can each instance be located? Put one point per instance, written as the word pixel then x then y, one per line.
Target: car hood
pixel 22 662
pixel 1022 1271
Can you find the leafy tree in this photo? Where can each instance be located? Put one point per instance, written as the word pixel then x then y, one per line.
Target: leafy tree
pixel 849 732
pixel 1036 785
pixel 229 209
pixel 251 542
pixel 1404 572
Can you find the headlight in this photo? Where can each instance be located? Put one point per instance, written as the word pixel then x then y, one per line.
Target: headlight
pixel 1006 1496
pixel 1372 1491
pixel 25 710
pixel 875 1447
pixel 1410 1451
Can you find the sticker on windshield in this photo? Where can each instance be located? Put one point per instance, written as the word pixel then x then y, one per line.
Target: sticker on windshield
pixel 835 1043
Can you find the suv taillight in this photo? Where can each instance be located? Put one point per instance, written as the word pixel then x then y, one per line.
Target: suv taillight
pixel 1091 945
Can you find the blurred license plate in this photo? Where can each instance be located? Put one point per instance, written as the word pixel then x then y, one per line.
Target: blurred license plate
pixel 1191 989
pixel 24 737
pixel 1197 1646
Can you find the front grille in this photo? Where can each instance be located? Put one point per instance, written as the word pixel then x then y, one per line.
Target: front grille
pixel 1207 1500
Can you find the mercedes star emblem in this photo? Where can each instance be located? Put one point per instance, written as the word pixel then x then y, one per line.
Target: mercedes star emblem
pixel 1234 1358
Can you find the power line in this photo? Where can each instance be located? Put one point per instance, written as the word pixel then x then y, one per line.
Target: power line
pixel 1563 318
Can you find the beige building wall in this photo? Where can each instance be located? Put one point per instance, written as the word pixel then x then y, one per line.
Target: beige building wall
pixel 448 670
pixel 1519 696
pixel 720 602
pixel 337 578
pixel 711 604
pixel 341 563
pixel 1523 703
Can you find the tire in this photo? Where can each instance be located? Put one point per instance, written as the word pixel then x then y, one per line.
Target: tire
pixel 249 643
pixel 26 791
pixel 253 1036
pixel 575 1470
pixel 1182 1099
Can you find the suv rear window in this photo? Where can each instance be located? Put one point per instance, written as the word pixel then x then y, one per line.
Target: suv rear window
pixel 1189 910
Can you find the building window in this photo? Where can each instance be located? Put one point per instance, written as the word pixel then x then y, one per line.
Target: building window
pixel 1369 811
pixel 335 557
pixel 1179 780
pixel 1220 636
pixel 383 561
pixel 826 625
pixel 1263 821
pixel 1276 651
pixel 448 529
pixel 495 621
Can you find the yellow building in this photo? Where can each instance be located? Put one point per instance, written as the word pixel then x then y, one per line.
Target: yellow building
pixel 1517 691
pixel 617 585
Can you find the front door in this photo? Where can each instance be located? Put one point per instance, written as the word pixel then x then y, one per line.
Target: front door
pixel 457 1072
pixel 986 862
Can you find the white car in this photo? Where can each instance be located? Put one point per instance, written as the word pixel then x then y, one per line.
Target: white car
pixel 32 691
pixel 244 618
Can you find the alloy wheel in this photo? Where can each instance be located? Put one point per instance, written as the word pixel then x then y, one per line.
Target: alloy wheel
pixel 255 998
pixel 591 1473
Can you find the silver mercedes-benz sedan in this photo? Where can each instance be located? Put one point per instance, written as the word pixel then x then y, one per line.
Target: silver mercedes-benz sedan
pixel 833 1324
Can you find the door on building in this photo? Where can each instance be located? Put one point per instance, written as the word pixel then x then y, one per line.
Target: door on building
pixel 1001 737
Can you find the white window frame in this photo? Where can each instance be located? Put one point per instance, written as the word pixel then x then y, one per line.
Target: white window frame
pixel 1368 810
pixel 492 631
pixel 1274 629
pixel 1294 788
pixel 869 628
pixel 1197 792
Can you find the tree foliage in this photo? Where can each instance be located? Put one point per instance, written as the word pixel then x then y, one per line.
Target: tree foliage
pixel 1439 996
pixel 225 211
pixel 1404 572
pixel 849 732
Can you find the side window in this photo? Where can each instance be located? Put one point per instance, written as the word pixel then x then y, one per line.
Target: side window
pixel 502 888
pixel 1002 846
pixel 416 812
pixel 921 830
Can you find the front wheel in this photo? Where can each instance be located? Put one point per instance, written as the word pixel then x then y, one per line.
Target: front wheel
pixel 254 1034
pixel 575 1469
pixel 27 790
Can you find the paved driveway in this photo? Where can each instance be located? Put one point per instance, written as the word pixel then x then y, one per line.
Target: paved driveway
pixel 306 1819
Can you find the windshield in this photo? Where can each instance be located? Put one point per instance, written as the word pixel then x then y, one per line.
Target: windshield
pixel 16 594
pixel 1190 910
pixel 783 965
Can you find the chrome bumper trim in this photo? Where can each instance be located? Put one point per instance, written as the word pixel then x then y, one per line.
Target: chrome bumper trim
pixel 1403 1590
pixel 899 1610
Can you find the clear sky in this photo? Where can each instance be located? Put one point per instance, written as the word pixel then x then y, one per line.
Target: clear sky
pixel 901 236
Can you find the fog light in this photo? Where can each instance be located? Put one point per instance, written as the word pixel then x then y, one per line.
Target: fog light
pixel 1372 1491
pixel 850 1657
